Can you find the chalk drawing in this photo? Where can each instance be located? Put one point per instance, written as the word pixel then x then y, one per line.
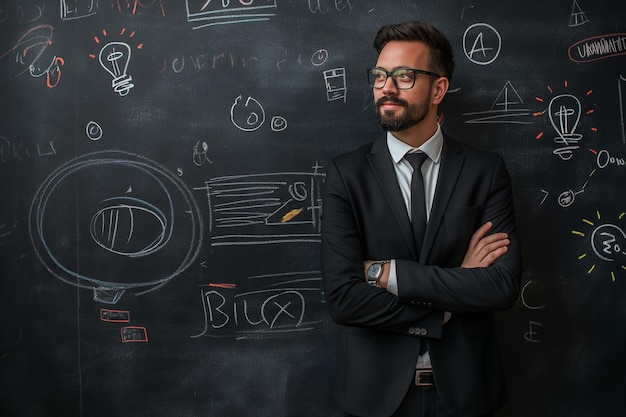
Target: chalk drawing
pixel 256 209
pixel 207 13
pixel 482 43
pixel 506 109
pixel 607 241
pixel 266 306
pixel 113 222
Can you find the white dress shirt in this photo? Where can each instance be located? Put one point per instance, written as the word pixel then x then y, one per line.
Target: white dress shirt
pixel 404 172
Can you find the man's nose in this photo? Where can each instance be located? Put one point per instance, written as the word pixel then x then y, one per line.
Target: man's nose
pixel 389 88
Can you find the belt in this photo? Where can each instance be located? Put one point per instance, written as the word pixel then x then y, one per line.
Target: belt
pixel 424 378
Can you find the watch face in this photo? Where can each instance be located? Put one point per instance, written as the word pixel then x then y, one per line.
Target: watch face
pixel 374 271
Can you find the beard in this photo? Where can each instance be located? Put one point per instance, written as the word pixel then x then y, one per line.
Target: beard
pixel 412 115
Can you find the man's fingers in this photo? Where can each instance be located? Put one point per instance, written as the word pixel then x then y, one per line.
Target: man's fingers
pixel 480 233
pixel 493 238
pixel 493 251
pixel 494 255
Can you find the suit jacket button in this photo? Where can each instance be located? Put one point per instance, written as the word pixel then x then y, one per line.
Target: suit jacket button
pixel 423 332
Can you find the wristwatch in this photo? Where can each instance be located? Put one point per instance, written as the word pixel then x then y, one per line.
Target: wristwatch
pixel 374 272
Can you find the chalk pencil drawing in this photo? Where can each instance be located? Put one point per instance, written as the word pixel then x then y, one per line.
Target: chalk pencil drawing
pixel 256 209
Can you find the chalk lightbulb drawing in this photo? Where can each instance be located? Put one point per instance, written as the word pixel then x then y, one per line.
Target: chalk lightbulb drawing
pixel 607 242
pixel 565 113
pixel 114 58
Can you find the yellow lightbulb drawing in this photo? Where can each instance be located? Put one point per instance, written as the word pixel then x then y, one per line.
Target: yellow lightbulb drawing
pixel 607 241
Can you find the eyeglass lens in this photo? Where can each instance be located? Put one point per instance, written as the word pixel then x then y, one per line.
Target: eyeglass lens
pixel 403 78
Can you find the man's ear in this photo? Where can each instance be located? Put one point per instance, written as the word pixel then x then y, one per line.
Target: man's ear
pixel 439 89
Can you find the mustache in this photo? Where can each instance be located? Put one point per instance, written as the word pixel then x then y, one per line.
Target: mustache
pixel 392 99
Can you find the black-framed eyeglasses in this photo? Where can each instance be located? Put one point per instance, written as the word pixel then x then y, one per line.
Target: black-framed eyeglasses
pixel 403 78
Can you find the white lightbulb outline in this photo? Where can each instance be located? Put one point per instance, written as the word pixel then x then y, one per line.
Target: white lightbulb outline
pixel 567 114
pixel 114 58
pixel 564 112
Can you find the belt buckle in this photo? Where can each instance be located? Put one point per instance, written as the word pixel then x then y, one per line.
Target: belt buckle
pixel 424 378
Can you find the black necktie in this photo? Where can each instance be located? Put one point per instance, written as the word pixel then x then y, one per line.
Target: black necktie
pixel 418 199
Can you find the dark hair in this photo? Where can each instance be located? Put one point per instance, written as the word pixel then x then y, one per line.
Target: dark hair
pixel 442 58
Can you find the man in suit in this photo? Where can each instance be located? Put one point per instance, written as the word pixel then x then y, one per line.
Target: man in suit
pixel 416 308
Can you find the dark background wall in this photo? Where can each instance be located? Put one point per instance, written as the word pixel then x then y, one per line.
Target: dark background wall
pixel 159 219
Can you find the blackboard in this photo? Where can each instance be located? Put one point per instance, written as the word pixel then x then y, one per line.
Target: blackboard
pixel 161 165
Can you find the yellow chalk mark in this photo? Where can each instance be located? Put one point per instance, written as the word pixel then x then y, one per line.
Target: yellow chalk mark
pixel 591 269
pixel 293 213
pixel 612 276
pixel 576 232
pixel 589 222
pixel 582 256
pixel 622 215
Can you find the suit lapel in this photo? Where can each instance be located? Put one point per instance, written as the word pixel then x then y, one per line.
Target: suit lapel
pixel 382 165
pixel 451 163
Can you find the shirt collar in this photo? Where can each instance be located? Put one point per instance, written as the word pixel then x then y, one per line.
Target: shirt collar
pixel 432 147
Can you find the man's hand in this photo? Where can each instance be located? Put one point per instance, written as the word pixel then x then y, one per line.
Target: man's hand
pixel 483 251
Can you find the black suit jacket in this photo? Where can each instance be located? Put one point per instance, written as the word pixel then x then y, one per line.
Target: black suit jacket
pixel 364 217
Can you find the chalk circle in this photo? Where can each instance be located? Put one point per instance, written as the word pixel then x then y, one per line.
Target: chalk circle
pixel 247 116
pixel 93 130
pixel 115 221
pixel 480 38
pixel 566 198
pixel 608 242
pixel 298 191
pixel 319 57
pixel 278 123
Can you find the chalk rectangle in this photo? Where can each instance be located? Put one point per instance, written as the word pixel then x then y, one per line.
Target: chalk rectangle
pixel 134 334
pixel 114 316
